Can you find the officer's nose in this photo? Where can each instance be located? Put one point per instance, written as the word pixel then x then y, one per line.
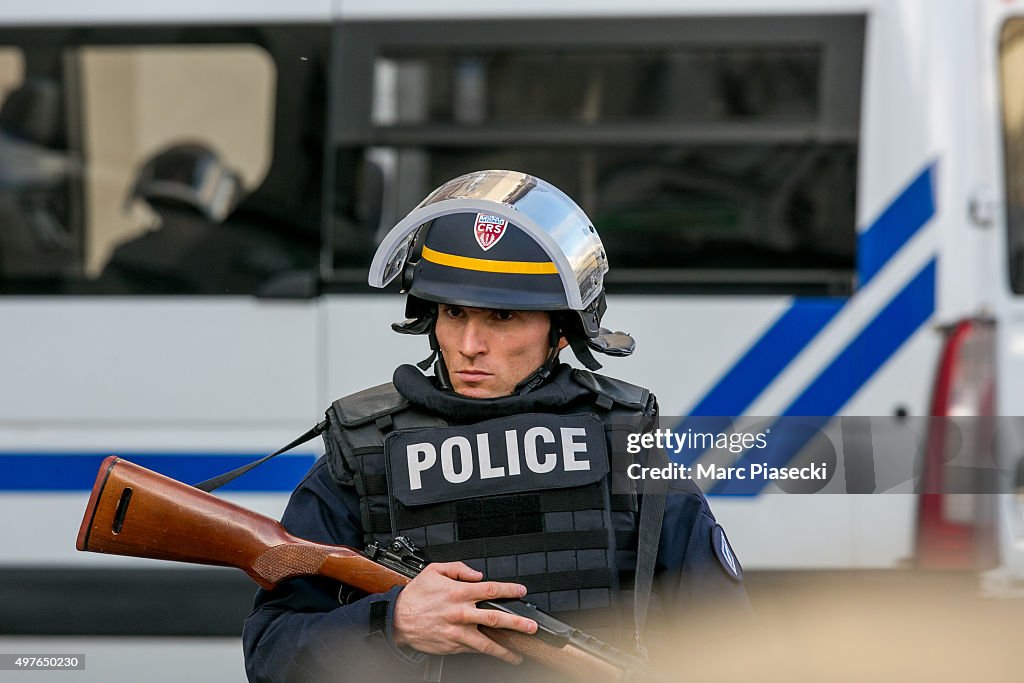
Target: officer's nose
pixel 473 341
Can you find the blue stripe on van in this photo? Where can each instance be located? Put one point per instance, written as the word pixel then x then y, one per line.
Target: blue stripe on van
pixel 837 384
pixel 749 376
pixel 755 370
pixel 769 355
pixel 900 221
pixel 52 471
pixel 870 349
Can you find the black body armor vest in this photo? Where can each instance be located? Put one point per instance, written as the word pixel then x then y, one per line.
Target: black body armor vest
pixel 572 546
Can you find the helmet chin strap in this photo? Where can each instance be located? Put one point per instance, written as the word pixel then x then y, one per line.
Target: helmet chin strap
pixel 425 363
pixel 538 376
pixel 541 374
pixel 441 372
pixel 435 357
pixel 435 349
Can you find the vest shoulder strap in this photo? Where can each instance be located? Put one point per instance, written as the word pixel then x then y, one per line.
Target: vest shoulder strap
pixel 614 390
pixel 369 405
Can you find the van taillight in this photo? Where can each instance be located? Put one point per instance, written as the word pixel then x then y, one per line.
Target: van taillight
pixel 955 528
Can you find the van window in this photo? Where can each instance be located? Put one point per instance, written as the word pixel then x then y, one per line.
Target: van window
pixel 135 166
pixel 713 155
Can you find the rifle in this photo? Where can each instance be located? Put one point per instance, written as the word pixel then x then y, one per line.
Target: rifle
pixel 136 512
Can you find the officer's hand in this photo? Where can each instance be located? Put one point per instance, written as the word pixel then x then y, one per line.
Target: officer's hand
pixel 436 612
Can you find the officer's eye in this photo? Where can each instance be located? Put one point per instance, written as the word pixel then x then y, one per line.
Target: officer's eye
pixel 504 316
pixel 452 311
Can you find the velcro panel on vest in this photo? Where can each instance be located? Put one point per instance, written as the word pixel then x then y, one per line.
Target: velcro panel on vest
pixel 531 452
pixel 563 500
pixel 518 545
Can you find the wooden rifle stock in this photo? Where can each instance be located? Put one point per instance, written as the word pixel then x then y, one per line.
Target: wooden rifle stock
pixel 136 512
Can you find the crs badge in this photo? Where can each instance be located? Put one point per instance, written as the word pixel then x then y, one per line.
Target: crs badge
pixel 724 553
pixel 488 229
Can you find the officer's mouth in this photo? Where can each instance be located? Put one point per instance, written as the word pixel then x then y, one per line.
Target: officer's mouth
pixel 472 375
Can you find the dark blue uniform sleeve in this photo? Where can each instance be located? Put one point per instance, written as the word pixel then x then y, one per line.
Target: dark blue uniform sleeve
pixel 698 571
pixel 301 631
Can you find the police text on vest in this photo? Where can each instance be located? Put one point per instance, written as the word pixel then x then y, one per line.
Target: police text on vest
pixel 539 449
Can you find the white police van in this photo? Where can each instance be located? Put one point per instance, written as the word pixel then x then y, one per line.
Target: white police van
pixel 811 208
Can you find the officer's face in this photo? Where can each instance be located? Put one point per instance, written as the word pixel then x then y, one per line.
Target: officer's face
pixel 489 351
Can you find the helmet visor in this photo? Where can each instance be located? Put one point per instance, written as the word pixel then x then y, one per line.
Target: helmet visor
pixel 537 207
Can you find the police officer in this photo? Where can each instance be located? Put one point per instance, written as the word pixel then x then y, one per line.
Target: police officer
pixel 204 240
pixel 504 465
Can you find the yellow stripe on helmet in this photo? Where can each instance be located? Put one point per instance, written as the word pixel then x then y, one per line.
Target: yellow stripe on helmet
pixel 489 266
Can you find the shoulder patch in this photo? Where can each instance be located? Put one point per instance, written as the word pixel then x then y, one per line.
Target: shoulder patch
pixel 724 553
pixel 369 404
pixel 620 392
